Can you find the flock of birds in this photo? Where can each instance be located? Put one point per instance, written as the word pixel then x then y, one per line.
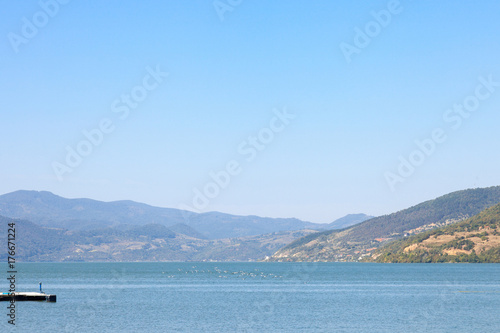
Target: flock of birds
pixel 224 274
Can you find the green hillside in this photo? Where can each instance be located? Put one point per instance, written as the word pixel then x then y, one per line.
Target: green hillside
pixel 474 240
pixel 361 240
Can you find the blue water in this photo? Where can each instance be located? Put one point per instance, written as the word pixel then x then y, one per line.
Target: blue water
pixel 258 297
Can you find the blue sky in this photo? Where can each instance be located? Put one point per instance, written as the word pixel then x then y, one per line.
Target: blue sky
pixel 67 67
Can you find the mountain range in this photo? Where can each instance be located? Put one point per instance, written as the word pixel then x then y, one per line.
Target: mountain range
pixel 49 210
pixel 53 228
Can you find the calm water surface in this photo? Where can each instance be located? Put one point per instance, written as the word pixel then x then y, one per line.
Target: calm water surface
pixel 258 297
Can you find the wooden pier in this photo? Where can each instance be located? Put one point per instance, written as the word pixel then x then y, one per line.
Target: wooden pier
pixel 28 296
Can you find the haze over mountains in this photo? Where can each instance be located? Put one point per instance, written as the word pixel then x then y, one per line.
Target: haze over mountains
pixel 348 221
pixel 47 209
pixel 151 242
pixel 53 228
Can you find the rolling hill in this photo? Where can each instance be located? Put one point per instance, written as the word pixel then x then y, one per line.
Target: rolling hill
pixel 361 240
pixel 474 240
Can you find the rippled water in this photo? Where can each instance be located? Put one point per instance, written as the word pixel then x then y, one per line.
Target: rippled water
pixel 258 297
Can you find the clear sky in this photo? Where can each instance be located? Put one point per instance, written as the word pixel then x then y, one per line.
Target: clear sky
pixel 307 109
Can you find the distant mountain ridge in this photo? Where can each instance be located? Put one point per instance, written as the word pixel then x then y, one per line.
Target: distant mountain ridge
pixel 47 209
pixel 349 220
pixel 360 240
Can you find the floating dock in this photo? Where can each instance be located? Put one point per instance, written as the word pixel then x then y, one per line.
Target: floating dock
pixel 28 296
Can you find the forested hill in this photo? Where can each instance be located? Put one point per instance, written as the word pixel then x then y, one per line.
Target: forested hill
pixel 474 240
pixel 360 240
